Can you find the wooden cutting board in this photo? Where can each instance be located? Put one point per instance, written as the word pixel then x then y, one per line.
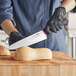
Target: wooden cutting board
pixel 61 65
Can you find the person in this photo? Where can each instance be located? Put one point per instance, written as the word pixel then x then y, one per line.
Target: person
pixel 21 18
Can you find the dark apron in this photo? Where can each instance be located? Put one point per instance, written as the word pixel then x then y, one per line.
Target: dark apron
pixel 31 16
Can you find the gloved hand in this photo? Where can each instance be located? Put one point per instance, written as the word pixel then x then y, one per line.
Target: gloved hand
pixel 14 37
pixel 56 21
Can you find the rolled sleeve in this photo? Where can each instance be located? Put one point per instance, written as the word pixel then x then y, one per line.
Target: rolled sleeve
pixel 6 11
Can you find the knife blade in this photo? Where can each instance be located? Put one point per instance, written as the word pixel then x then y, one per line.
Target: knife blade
pixel 30 40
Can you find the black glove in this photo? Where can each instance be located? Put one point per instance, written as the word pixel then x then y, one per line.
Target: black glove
pixel 56 21
pixel 14 37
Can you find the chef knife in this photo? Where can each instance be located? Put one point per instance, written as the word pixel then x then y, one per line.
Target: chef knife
pixel 30 40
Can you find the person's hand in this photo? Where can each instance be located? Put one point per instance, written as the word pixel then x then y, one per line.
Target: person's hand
pixel 56 21
pixel 14 37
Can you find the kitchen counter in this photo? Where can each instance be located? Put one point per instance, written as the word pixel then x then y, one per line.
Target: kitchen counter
pixel 61 65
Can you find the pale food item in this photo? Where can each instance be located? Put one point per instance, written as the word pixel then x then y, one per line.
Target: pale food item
pixel 26 53
pixel 4 50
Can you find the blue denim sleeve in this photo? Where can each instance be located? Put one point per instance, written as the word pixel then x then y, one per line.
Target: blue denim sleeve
pixel 6 11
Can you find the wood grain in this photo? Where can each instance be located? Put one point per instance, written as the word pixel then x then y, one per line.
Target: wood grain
pixel 61 65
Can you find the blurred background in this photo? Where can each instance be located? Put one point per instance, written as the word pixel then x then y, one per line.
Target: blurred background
pixel 71 34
